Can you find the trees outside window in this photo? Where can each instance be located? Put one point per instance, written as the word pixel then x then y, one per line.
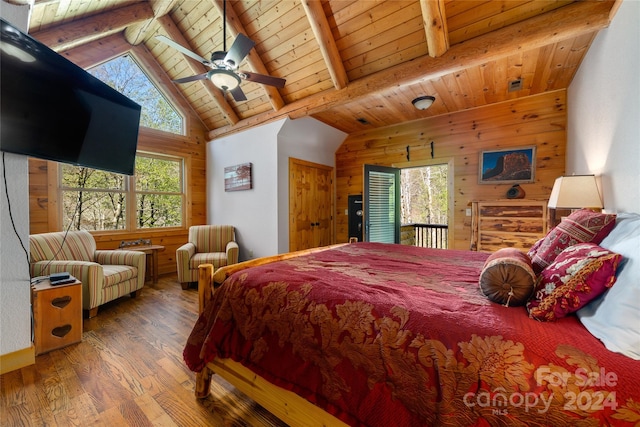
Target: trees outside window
pixel 126 76
pixel 158 192
pixel 98 200
pixel 424 195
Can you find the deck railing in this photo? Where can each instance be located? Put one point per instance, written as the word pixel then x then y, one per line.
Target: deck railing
pixel 426 235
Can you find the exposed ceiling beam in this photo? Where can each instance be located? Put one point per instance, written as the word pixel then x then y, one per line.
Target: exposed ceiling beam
pixel 328 47
pixel 253 59
pixel 98 51
pixel 137 33
pixel 81 31
pixel 196 67
pixel 574 20
pixel 434 20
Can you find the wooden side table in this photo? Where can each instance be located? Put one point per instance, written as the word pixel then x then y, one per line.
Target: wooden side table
pixel 151 250
pixel 57 315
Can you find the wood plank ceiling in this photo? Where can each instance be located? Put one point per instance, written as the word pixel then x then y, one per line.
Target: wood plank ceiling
pixel 353 64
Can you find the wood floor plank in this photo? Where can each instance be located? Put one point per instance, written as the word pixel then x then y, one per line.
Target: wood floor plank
pixel 127 371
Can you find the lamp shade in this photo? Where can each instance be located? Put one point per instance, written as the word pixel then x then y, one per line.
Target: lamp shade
pixel 224 79
pixel 575 192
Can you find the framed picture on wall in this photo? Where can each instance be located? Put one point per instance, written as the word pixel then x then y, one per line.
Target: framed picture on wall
pixel 238 177
pixel 507 166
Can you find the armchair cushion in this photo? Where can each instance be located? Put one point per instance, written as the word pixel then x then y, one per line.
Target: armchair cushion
pixel 211 238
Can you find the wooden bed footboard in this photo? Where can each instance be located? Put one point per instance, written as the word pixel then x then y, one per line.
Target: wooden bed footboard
pixel 284 404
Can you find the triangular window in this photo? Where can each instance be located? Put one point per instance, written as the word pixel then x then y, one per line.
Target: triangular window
pixel 127 77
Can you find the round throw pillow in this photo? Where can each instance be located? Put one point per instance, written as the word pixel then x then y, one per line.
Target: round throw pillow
pixel 507 277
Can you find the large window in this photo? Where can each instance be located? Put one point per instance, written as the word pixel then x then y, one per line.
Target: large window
pixel 98 200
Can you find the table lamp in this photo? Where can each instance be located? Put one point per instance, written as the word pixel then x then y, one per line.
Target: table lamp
pixel 573 192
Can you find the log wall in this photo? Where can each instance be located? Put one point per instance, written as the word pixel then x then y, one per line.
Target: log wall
pixel 458 139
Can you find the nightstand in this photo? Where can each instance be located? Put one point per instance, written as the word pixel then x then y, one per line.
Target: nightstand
pixel 57 315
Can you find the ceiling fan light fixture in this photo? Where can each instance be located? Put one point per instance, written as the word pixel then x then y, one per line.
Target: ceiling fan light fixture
pixel 224 79
pixel 423 102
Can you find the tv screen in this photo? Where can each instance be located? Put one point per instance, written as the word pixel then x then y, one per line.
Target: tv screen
pixel 54 110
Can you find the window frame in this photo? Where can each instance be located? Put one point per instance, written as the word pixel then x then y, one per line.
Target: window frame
pixel 131 193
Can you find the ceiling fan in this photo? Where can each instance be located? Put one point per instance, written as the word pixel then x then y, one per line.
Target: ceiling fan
pixel 224 73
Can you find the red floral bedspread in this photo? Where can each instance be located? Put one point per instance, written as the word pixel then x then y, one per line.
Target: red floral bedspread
pixel 390 335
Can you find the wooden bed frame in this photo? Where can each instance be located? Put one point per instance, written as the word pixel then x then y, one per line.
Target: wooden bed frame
pixel 284 404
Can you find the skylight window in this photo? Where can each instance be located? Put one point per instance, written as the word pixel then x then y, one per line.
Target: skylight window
pixel 126 76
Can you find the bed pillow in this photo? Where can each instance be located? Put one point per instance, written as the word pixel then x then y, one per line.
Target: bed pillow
pixel 578 275
pixel 614 317
pixel 581 226
pixel 507 277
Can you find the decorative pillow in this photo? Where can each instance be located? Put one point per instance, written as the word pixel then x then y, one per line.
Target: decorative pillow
pixel 581 226
pixel 578 275
pixel 614 317
pixel 507 277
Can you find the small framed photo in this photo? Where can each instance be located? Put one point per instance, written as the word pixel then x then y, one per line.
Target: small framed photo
pixel 238 177
pixel 507 166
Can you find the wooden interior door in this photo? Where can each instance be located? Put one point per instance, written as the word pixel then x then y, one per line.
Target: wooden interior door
pixel 310 204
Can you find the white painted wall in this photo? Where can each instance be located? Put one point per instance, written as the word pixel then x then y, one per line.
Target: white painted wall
pixel 603 135
pixel 15 295
pixel 261 215
pixel 253 212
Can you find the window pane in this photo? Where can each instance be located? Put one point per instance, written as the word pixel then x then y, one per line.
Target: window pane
pixel 92 210
pixel 127 77
pixel 158 175
pixel 158 210
pixel 81 177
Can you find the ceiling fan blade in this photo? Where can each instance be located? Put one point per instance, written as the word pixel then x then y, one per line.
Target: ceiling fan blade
pixel 238 94
pixel 261 78
pixel 184 50
pixel 191 78
pixel 239 49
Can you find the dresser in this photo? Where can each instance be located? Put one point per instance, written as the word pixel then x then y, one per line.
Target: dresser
pixel 57 315
pixel 498 224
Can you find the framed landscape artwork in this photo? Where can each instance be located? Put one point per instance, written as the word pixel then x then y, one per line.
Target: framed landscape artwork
pixel 507 166
pixel 237 177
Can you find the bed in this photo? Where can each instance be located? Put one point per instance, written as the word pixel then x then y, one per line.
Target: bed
pixel 378 335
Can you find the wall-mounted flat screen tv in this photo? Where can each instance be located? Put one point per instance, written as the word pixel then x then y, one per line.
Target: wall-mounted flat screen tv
pixel 52 109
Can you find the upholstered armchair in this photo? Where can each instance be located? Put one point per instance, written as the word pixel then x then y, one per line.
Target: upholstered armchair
pixel 105 274
pixel 208 244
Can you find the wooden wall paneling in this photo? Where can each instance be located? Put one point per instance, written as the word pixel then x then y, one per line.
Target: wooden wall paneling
pixel 537 120
pixel 39 196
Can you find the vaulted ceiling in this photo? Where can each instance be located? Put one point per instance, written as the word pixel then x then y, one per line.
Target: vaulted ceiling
pixel 353 64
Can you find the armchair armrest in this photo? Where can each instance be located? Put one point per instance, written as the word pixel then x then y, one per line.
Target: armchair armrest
pixel 187 250
pixel 91 274
pixel 233 251
pixel 77 269
pixel 183 256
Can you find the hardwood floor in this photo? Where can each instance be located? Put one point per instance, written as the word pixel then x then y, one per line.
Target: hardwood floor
pixel 128 370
